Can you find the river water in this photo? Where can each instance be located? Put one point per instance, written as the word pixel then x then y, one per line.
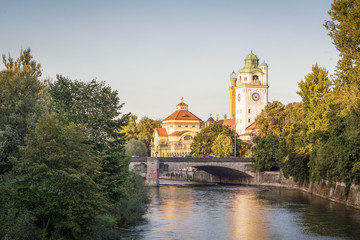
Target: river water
pixel 238 212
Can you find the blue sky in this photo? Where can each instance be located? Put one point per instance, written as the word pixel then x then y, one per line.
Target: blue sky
pixel 153 52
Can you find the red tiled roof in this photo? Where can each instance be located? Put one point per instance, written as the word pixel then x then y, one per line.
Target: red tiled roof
pixel 186 123
pixel 182 115
pixel 252 126
pixel 182 104
pixel 162 131
pixel 175 134
pixel 230 123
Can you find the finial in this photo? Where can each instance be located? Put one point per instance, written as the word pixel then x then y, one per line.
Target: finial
pixel 181 99
pixel 251 50
pixel 210 115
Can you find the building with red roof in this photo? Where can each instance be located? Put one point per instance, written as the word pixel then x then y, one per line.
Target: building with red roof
pixel 176 134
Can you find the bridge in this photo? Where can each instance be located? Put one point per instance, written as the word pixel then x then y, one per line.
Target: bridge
pixel 234 168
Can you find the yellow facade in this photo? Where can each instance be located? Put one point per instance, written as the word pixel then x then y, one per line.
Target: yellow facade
pixel 176 135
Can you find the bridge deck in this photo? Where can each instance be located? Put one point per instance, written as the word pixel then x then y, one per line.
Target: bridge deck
pixel 196 159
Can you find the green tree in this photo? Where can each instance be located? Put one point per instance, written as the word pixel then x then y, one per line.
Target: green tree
pixel 130 129
pixel 271 119
pixel 223 146
pixel 22 101
pixel 146 127
pixel 136 148
pixel 266 152
pixel 345 31
pixel 53 180
pixel 294 150
pixel 96 107
pixel 314 91
pixel 203 141
pixel 142 131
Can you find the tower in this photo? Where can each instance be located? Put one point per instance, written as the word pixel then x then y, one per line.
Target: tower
pixel 232 94
pixel 251 92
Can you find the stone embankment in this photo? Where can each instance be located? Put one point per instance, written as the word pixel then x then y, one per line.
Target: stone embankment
pixel 334 192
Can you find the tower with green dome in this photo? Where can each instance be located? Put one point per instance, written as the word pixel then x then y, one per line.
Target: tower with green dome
pixel 248 92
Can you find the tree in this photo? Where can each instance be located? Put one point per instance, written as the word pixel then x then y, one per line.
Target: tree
pixel 96 107
pixel 271 119
pixel 22 102
pixel 223 146
pixel 266 152
pixel 130 129
pixel 142 131
pixel 314 91
pixel 203 141
pixel 344 29
pixel 53 180
pixel 146 127
pixel 135 148
pixel 23 64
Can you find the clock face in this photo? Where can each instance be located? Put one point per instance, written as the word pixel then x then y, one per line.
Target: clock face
pixel 255 96
pixel 239 97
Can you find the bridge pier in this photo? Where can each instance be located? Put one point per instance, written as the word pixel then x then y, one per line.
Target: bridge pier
pixel 152 173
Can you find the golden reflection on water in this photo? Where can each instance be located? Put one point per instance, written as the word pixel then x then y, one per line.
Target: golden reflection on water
pixel 248 218
pixel 177 212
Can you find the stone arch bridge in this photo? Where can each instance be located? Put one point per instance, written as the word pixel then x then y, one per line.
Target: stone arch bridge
pixel 229 168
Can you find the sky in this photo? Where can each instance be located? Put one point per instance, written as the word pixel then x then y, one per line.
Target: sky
pixel 154 52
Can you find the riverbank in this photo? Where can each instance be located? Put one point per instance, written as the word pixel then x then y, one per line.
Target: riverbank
pixel 165 182
pixel 333 192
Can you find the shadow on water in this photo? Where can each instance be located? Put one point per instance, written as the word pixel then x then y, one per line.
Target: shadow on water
pixel 314 215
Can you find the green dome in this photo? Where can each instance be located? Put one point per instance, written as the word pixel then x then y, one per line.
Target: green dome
pixel 251 56
pixel 251 64
pixel 264 64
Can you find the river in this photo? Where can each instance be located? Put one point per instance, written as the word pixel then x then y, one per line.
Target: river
pixel 240 212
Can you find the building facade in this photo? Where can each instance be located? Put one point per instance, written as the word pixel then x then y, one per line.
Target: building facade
pixel 248 92
pixel 176 134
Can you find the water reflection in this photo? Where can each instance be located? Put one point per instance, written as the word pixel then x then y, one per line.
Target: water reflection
pixel 248 222
pixel 235 212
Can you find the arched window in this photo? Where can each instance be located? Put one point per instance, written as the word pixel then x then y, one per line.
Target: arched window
pixel 255 77
pixel 187 137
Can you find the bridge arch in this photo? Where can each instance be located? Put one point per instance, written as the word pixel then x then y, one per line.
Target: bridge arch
pixel 221 167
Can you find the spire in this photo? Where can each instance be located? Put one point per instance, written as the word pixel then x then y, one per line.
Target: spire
pixel 233 74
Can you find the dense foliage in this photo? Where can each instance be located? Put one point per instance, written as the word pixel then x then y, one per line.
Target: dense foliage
pixel 22 101
pixel 319 138
pixel 214 139
pixel 142 130
pixel 136 148
pixel 64 173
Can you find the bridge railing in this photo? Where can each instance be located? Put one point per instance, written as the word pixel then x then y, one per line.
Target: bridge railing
pixel 196 159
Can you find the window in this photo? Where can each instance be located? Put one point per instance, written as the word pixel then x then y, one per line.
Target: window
pixel 186 126
pixel 255 77
pixel 249 111
pixel 179 125
pixel 240 110
pixel 193 126
pixel 245 78
pixel 240 120
pixel 249 120
pixel 187 137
